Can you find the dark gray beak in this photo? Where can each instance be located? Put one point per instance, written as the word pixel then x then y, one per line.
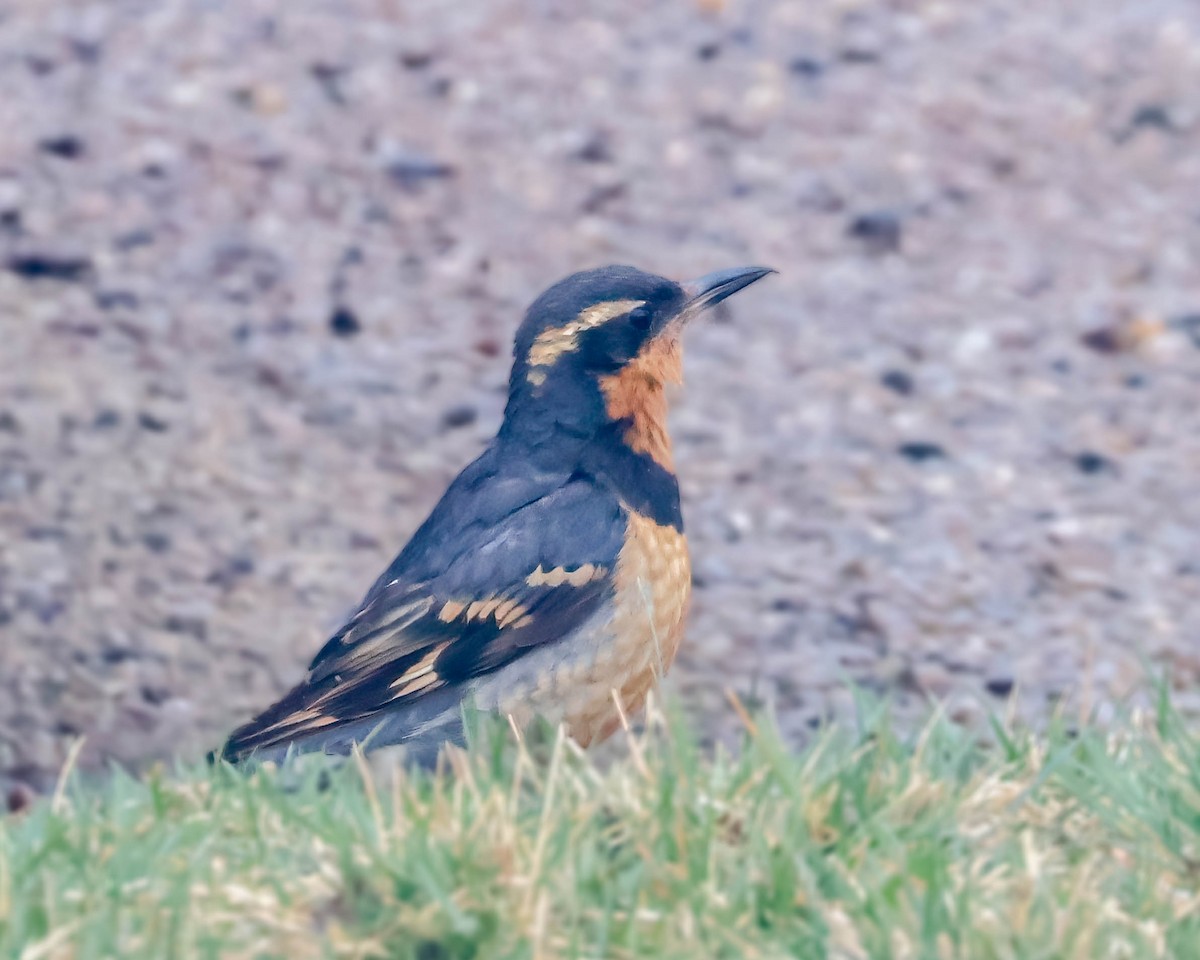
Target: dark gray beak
pixel 712 288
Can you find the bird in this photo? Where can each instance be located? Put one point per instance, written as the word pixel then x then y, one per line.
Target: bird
pixel 553 577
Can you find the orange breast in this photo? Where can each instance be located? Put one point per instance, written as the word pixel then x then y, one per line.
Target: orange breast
pixel 654 585
pixel 624 649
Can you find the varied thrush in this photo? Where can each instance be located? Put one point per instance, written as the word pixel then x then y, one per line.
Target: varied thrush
pixel 553 576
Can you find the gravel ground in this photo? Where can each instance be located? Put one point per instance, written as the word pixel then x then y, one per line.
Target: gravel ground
pixel 261 262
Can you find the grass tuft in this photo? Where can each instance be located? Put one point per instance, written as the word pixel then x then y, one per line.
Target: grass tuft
pixel 863 845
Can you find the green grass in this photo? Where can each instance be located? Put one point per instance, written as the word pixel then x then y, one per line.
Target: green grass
pixel 863 845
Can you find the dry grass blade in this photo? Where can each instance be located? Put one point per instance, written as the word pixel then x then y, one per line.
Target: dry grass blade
pixel 1079 846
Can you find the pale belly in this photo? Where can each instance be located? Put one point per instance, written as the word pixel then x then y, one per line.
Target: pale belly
pixel 618 655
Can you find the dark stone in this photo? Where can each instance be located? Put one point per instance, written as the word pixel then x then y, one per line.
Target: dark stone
pixel 10 220
pixel 1091 462
pixel 9 422
pixel 596 150
pixel 41 266
pixel 191 626
pixel 231 571
pixel 364 541
pixel 241 564
pixel 19 797
pixel 40 66
pixel 344 322
pixel 134 239
pixel 806 67
pixel 155 696
pixel 898 381
pixel 1151 116
pixel 999 686
pixel 148 421
pixel 106 419
pixel 42 532
pixel 919 451
pixel 67 147
pixel 879 231
pixel 415 59
pixel 460 416
pixel 47 613
pixel 1104 340
pixel 329 77
pixel 156 542
pixel 858 56
pixel 708 51
pixel 413 171
pixel 116 299
pixel 601 197
pixel 113 655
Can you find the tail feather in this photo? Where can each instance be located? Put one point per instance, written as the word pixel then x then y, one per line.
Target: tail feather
pixel 281 730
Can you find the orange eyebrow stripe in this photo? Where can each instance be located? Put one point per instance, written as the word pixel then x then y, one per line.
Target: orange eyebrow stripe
pixel 551 344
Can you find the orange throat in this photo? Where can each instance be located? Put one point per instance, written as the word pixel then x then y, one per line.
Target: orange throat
pixel 638 393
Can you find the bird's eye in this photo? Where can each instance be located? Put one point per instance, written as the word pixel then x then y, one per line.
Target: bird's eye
pixel 640 318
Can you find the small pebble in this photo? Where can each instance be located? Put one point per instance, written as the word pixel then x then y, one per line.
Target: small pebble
pixel 40 266
pixel 415 59
pixel 597 149
pixel 148 421
pixel 413 171
pixel 1149 116
pixel 806 67
pixel 66 147
pixel 156 542
pixel 919 451
pixel 460 416
pixel 879 232
pixel 344 322
pixel 19 797
pixel 898 382
pixel 1091 462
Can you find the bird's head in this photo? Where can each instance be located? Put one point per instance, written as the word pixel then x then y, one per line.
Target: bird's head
pixel 599 333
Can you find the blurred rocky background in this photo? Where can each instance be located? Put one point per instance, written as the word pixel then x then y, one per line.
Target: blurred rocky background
pixel 260 263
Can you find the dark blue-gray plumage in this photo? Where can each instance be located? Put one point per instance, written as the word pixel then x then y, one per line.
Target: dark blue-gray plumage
pixel 525 582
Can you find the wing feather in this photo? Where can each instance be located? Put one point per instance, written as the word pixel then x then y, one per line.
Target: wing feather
pixel 529 581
